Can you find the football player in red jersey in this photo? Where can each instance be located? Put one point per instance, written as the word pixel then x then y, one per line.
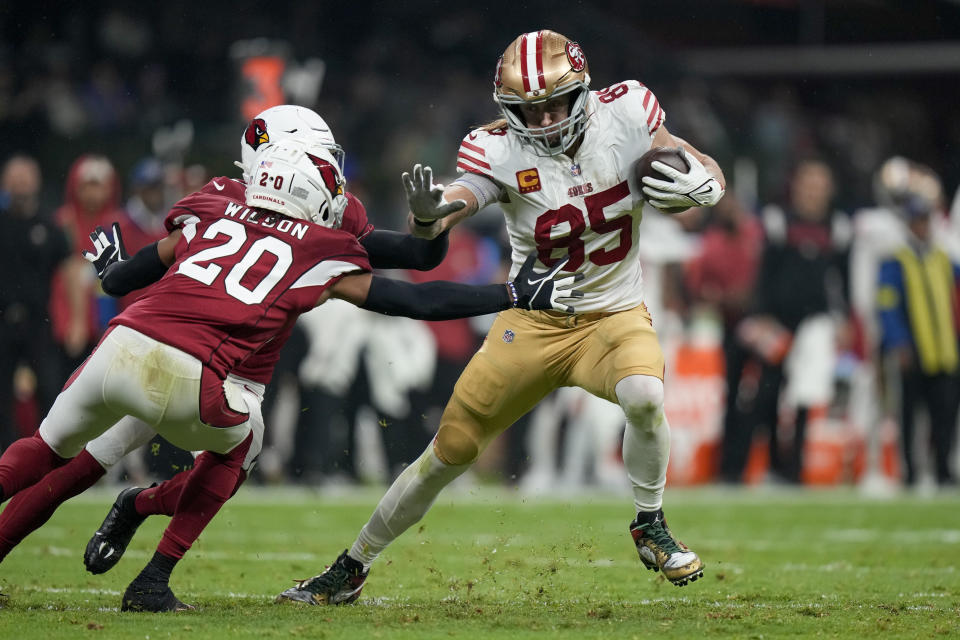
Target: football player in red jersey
pixel 560 162
pixel 30 508
pixel 237 274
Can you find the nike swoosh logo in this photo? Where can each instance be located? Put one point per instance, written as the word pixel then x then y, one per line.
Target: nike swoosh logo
pixel 218 186
pixel 534 282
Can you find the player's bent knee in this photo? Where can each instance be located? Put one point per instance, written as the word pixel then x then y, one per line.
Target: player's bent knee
pixel 65 446
pixel 455 446
pixel 641 398
pixel 466 426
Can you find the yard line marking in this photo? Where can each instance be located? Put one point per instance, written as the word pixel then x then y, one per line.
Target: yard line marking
pixel 250 556
pixel 113 592
pixel 943 536
pixel 827 601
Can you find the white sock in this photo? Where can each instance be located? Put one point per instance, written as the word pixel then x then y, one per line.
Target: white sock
pixel 646 442
pixel 405 502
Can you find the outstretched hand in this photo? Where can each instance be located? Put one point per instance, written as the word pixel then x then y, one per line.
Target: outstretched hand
pixel 425 198
pixel 543 290
pixel 106 251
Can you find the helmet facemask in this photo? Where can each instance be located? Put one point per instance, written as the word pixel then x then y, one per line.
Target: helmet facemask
pixel 564 133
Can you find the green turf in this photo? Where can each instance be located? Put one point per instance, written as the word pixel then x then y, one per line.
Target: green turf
pixel 489 564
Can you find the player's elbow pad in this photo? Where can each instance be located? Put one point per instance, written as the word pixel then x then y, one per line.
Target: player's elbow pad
pixel 143 269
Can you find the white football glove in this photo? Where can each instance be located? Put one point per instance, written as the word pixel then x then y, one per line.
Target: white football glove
pixel 425 198
pixel 696 188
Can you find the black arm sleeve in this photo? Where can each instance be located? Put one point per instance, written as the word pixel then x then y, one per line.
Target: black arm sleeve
pixel 438 300
pixel 143 269
pixel 393 250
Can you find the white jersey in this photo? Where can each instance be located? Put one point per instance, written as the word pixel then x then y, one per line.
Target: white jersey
pixel 588 208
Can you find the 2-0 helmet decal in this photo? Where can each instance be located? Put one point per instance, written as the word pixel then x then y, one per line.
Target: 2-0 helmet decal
pixel 256 133
pixel 578 61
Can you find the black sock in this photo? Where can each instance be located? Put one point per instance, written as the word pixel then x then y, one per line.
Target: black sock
pixel 355 567
pixel 649 517
pixel 159 568
pixel 129 504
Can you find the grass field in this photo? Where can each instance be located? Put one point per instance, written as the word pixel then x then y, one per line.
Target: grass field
pixel 490 564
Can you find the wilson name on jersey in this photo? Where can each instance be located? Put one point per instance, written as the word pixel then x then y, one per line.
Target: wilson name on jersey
pixel 240 278
pixel 587 207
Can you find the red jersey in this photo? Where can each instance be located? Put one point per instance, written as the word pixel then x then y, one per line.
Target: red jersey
pixel 240 278
pixel 259 366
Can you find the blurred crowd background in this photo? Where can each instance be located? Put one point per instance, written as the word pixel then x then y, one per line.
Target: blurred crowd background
pixel 806 319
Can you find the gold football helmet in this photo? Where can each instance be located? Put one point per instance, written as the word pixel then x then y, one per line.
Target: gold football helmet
pixel 536 67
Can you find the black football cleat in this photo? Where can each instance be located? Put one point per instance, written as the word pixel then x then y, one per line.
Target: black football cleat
pixel 341 583
pixel 107 545
pixel 151 596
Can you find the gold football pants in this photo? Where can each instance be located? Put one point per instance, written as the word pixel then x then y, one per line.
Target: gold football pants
pixel 528 354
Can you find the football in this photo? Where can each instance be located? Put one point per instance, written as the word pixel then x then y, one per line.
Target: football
pixel 669 156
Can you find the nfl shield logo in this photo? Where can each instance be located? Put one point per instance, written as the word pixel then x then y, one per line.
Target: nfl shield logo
pixel 508 336
pixel 575 170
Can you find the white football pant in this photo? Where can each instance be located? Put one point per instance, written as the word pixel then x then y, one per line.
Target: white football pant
pixel 130 375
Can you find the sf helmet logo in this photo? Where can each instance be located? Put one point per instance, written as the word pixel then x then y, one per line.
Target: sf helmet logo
pixel 331 178
pixel 256 133
pixel 578 61
pixel 497 79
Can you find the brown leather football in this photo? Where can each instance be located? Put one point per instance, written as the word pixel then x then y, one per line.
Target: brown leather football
pixel 669 156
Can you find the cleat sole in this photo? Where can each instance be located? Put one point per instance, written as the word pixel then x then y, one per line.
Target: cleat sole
pixel 691 578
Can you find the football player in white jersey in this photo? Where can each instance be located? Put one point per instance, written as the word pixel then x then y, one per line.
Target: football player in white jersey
pixel 561 165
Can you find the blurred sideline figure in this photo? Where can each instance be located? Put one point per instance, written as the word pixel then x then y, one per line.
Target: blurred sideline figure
pixel 592 428
pixel 800 298
pixel 32 250
pixel 879 231
pixel 394 341
pixel 147 205
pixel 337 378
pixel 722 276
pixel 321 446
pixel 556 163
pixel 79 311
pixel 902 188
pixel 919 323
